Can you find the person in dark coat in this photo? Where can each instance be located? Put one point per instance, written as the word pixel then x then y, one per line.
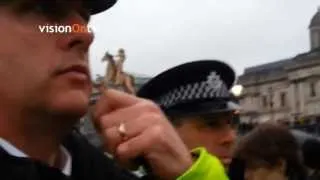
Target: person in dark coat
pixel 310 148
pixel 45 89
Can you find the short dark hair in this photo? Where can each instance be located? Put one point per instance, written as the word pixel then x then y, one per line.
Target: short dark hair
pixel 266 145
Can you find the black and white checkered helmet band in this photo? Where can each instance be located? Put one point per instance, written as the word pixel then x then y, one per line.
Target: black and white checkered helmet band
pixel 212 87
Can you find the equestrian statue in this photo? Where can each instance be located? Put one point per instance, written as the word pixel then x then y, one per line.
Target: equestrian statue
pixel 115 77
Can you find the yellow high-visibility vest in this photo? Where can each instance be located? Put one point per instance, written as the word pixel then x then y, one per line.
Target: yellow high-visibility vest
pixel 206 167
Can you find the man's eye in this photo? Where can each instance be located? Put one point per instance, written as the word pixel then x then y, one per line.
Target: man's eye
pixel 55 10
pixel 52 11
pixel 59 11
pixel 85 15
pixel 214 123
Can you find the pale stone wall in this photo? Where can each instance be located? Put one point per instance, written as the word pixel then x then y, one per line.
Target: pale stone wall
pixel 298 99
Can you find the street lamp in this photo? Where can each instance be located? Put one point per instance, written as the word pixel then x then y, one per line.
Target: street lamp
pixel 237 90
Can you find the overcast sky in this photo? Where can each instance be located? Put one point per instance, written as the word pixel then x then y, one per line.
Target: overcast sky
pixel 159 34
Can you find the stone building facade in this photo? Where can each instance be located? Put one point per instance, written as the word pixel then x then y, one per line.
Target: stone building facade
pixel 286 91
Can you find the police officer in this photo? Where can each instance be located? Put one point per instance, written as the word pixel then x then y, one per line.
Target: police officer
pixel 196 97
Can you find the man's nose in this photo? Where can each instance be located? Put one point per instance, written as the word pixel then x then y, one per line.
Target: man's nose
pixel 229 137
pixel 79 38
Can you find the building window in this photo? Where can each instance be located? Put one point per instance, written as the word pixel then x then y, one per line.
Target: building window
pixel 313 89
pixel 264 101
pixel 315 39
pixel 283 98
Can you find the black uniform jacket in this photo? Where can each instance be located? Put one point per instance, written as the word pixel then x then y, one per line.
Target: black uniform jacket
pixel 88 163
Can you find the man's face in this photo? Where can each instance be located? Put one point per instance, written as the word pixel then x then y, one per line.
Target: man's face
pixel 41 71
pixel 213 132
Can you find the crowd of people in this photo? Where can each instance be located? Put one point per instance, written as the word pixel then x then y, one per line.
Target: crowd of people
pixel 311 127
pixel 180 125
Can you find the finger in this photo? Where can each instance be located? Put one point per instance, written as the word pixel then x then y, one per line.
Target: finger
pixel 158 146
pixel 133 128
pixel 113 99
pixel 141 124
pixel 140 145
pixel 113 138
pixel 127 114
